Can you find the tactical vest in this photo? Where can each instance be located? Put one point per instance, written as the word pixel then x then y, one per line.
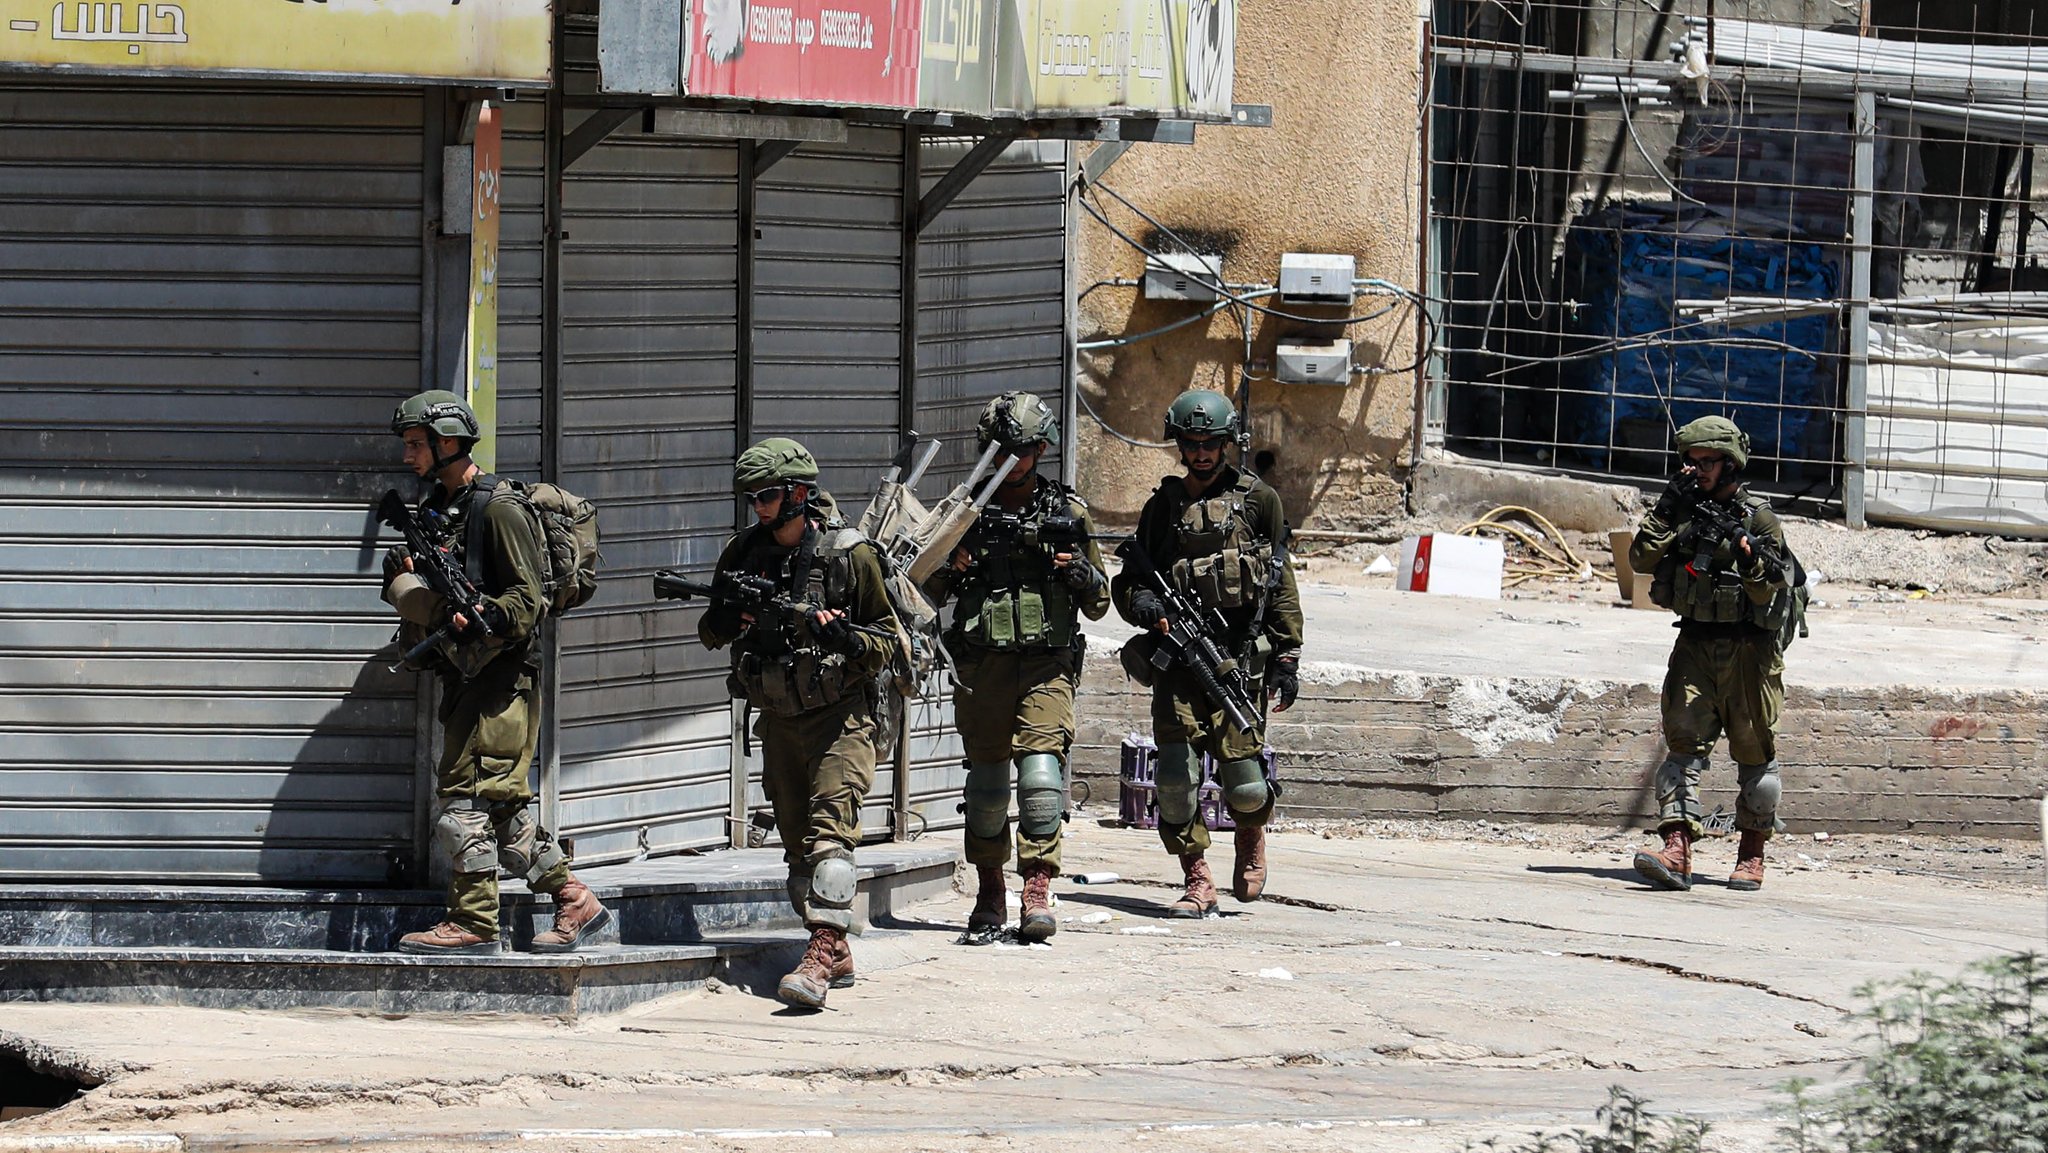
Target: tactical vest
pixel 1716 596
pixel 782 668
pixel 1011 597
pixel 1221 560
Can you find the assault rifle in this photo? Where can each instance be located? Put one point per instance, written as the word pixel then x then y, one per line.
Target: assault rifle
pixel 1712 522
pixel 434 562
pixel 1192 640
pixel 758 597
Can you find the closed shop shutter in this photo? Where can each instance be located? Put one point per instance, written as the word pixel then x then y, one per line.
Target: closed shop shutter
pixel 209 305
pixel 991 279
pixel 649 385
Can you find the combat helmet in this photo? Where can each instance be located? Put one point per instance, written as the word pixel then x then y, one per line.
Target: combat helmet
pixel 1201 412
pixel 776 459
pixel 1017 420
pixel 1716 434
pixel 441 413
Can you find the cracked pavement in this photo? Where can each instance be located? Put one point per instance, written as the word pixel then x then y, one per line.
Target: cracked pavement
pixel 1432 991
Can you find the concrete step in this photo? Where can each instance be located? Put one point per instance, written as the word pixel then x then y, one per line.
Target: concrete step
pixel 676 922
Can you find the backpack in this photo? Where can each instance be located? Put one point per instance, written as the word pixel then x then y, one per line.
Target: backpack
pixel 1801 594
pixel 568 535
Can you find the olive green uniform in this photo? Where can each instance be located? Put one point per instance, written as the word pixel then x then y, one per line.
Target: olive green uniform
pixel 490 710
pixel 817 725
pixel 1191 539
pixel 1016 643
pixel 1727 667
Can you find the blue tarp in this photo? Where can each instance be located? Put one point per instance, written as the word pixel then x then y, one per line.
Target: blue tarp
pixel 1634 262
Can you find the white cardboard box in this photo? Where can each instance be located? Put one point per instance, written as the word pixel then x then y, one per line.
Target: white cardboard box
pixel 1460 566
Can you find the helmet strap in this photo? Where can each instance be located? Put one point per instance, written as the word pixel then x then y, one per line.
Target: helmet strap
pixel 793 504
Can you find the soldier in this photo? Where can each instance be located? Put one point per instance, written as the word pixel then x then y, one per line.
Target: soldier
pixel 1727 668
pixel 490 696
pixel 813 664
pixel 1023 576
pixel 1220 536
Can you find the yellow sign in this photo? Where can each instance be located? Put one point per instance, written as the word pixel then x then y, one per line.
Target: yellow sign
pixel 502 42
pixel 482 342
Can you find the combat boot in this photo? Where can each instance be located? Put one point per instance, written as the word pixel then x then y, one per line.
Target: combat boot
pixel 1748 876
pixel 1671 866
pixel 1248 870
pixel 447 938
pixel 985 923
pixel 1037 921
pixel 577 912
pixel 827 960
pixel 1200 898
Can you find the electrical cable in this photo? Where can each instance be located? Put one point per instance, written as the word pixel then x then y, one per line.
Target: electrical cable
pixel 1217 286
pixel 1082 396
pixel 1183 322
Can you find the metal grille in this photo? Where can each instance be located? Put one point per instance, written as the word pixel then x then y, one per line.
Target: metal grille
pixel 209 300
pixel 1813 217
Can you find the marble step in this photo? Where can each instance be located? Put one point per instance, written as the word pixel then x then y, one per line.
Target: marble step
pixel 669 901
pixel 593 980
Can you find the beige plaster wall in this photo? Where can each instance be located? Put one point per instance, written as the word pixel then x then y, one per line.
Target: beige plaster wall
pixel 1337 173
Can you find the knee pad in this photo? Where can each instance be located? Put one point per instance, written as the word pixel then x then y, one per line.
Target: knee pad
pixel 1674 779
pixel 987 802
pixel 1756 807
pixel 833 885
pixel 1244 785
pixel 525 850
pixel 1041 795
pixel 1176 782
pixel 462 831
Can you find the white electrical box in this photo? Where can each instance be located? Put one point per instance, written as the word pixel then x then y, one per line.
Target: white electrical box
pixel 1312 278
pixel 1313 363
pixel 1182 276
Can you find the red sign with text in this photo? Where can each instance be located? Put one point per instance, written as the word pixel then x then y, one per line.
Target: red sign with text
pixel 806 51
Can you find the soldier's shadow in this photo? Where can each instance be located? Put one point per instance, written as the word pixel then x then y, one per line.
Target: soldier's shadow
pixel 1133 906
pixel 1602 874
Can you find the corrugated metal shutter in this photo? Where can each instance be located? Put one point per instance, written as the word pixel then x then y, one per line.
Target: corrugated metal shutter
pixel 991 309
pixel 828 321
pixel 649 382
pixel 209 303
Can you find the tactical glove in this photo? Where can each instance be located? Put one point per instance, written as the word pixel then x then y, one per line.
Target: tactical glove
pixel 394 561
pixel 1147 609
pixel 1676 496
pixel 1283 682
pixel 840 637
pixel 1082 577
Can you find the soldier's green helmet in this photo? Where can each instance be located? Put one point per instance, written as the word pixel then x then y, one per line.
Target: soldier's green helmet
pixel 1017 420
pixel 1716 434
pixel 1201 412
pixel 439 411
pixel 776 459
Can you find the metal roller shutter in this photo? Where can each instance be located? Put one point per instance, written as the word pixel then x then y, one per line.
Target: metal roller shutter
pixel 649 382
pixel 209 301
pixel 828 322
pixel 991 285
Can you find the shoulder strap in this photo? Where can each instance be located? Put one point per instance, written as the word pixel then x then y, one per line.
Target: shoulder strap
pixel 481 492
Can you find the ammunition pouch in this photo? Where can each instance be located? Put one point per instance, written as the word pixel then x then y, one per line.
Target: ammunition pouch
pixel 794 683
pixel 1036 616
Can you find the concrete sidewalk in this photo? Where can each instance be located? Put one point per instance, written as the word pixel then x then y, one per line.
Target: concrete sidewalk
pixel 1427 992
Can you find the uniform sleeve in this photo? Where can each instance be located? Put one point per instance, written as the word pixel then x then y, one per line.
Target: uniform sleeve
pixel 1152 527
pixel 512 541
pixel 1653 539
pixel 1758 582
pixel 721 625
pixel 1284 624
pixel 1095 605
pixel 871 607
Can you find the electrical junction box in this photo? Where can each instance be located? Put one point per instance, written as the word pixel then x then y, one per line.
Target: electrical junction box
pixel 1313 363
pixel 1182 276
pixel 1311 278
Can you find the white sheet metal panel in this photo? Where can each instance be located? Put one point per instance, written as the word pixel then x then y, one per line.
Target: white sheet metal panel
pixel 1958 432
pixel 650 273
pixel 209 304
pixel 991 306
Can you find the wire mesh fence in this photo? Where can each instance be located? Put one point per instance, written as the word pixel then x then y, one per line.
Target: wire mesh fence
pixel 1813 216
